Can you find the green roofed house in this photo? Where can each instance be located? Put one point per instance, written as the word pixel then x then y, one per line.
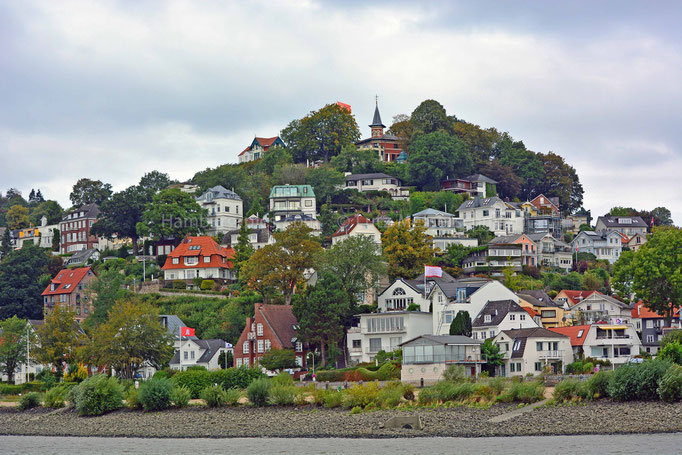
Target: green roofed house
pixel 292 203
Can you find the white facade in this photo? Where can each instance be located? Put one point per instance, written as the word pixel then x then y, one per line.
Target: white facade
pixel 538 352
pixel 512 320
pixel 225 209
pixel 442 243
pixel 437 223
pixel 617 343
pixel 41 236
pixel 191 350
pixel 398 297
pixel 601 308
pixel 500 217
pixel 607 246
pixel 377 182
pixel 367 229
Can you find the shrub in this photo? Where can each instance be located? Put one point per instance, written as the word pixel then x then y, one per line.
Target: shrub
pixel 650 373
pixel 179 284
pixel 283 379
pixel 598 385
pixel 571 389
pixel 332 398
pixel 356 410
pixel 235 377
pixel 32 386
pixel 155 395
pixel 390 395
pixel 259 392
pixel 96 395
pixel 361 395
pixel 588 367
pixel 180 396
pixel 232 397
pixel 76 373
pixel 333 375
pixel 498 384
pixel 214 396
pixel 48 380
pixel 10 389
pixel 454 373
pixel 388 371
pixel 132 399
pixel 670 387
pixel 408 392
pixel 29 401
pixel 524 392
pixel 282 395
pixel 672 352
pixel 207 285
pixel 56 397
pixel 484 391
pixel 196 368
pixel 623 383
pixel 161 374
pixel 194 380
pixel 453 391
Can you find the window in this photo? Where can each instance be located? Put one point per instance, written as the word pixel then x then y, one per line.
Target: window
pixel 649 338
pixel 268 345
pixel 207 259
pixel 259 329
pixel 486 212
pixel 245 347
pixel 357 344
pixel 374 344
pixel 191 260
pixel 191 355
pixel 186 355
pixel 260 346
pixel 512 367
pixel 194 247
pixel 538 366
pixel 246 361
pixel 522 317
pixel 517 345
pixel 538 346
pixel 512 317
pixel 308 203
pixel 176 260
pixel 299 346
pixel 492 334
pixel 486 318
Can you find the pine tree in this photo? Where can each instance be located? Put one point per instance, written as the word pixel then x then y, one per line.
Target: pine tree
pixel 32 195
pixel 39 196
pixel 5 244
pixel 243 249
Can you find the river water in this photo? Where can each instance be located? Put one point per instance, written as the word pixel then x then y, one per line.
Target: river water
pixel 662 444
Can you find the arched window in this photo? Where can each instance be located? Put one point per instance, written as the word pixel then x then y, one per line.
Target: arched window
pixel 399 291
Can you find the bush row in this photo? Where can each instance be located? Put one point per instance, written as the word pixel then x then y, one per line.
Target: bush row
pixel 386 372
pixel 197 380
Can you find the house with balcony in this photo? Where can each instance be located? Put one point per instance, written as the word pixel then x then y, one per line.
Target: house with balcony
pixel 628 225
pixel 474 185
pixel 444 228
pixel 293 203
pixel 532 351
pixel 499 315
pixel 606 245
pixel 426 357
pixel 225 209
pixel 199 257
pixel 69 290
pixel 258 147
pixel 616 343
pixel 39 235
pixel 377 182
pixel 572 223
pixel 271 327
pixel 600 308
pixel 551 313
pixel 500 217
pixel 357 225
pixel 552 252
pixel 542 216
pixel 495 257
pixel 652 326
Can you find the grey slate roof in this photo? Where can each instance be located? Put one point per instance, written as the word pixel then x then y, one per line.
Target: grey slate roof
pixel 432 212
pixel 522 335
pixel 497 310
pixel 378 175
pixel 479 178
pixel 446 339
pixel 220 192
pixel 91 211
pixel 505 239
pixel 212 348
pixel 479 202
pixel 172 323
pixel 376 121
pixel 80 257
pixel 538 297
pixel 611 221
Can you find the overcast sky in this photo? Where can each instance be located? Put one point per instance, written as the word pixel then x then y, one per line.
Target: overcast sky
pixel 111 90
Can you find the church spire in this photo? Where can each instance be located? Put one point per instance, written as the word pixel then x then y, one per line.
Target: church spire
pixel 376 122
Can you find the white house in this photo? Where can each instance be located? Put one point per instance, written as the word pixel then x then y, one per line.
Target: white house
pixel 530 351
pixel 425 358
pixel 501 218
pixel 377 182
pixel 499 315
pixel 225 209
pixel 616 343
pixel 292 203
pixel 199 257
pixel 258 147
pixel 598 307
pixel 437 223
pixel 40 235
pixel 604 246
pixel 628 225
pixel 195 352
pixel 357 225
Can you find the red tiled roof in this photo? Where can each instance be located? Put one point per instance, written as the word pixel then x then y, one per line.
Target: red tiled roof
pixel 207 248
pixel 530 311
pixel 281 320
pixel 641 311
pixel 264 142
pixel 577 296
pixel 67 281
pixel 577 338
pixel 350 224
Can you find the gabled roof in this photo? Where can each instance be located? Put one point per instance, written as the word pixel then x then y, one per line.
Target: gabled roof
pixel 376 175
pixel 91 211
pixel 613 221
pixel 432 212
pixel 641 311
pixel 212 347
pixel 265 142
pixel 477 202
pixel 200 247
pixel 479 178
pixel 350 224
pixel 282 322
pixel 552 203
pixel 173 323
pixel 523 335
pixel 577 333
pixel 575 297
pixel 67 280
pixel 497 310
pixel 537 298
pixel 81 256
pixel 507 239
pixel 219 192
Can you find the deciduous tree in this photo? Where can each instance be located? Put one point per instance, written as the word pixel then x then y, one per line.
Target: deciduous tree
pixel 20 287
pixel 50 210
pixel 435 156
pixel 407 248
pixel 172 213
pixel 17 217
pixel 120 214
pixel 59 339
pixel 14 337
pixel 87 191
pixel 278 359
pixel 243 250
pixel 429 117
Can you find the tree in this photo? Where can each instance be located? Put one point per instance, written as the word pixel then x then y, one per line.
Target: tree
pixel 55 239
pixel 5 244
pixel 87 191
pixel 461 325
pixel 59 338
pixel 50 210
pixel 455 254
pixel 325 181
pixel 490 352
pixel 13 340
pixel 403 129
pixel 320 312
pixel 104 291
pixel 225 360
pixel 561 180
pixel 482 233
pixel 172 213
pixel 243 249
pixel 280 266
pixel 19 283
pixel 479 142
pixel 429 117
pixel 120 214
pixel 508 183
pixel 407 248
pixel 357 263
pixel 153 182
pixel 435 156
pixel 365 161
pixel 277 156
pixel 526 164
pixel 132 337
pixel 321 134
pixel 17 217
pixel 278 359
pixel 662 216
pixel 656 272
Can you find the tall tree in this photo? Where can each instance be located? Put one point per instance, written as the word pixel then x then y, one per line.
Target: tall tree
pixel 104 291
pixel 479 142
pixel 14 337
pixel 17 217
pixel 120 214
pixel 356 161
pixel 325 181
pixel 526 164
pixel 407 248
pixel 153 182
pixel 508 183
pixel 59 339
pixel 403 129
pixel 281 266
pixel 87 191
pixel 172 213
pixel 656 272
pixel 243 250
pixel 561 180
pixel 20 287
pixel 274 157
pixel 429 117
pixel 5 244
pixel 320 312
pixel 50 210
pixel 435 156
pixel 321 134
pixel 461 325
pixel 131 337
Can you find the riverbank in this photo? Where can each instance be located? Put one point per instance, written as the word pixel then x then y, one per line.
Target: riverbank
pixel 602 417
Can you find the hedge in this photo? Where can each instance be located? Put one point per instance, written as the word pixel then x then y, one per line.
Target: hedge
pixel 197 380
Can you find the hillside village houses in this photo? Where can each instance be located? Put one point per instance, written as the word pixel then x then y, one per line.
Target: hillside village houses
pixel 199 257
pixel 357 225
pixel 498 216
pixel 531 351
pixel 292 203
pixel 499 315
pixel 615 343
pixel 377 182
pixel 444 228
pixel 41 236
pixel 75 229
pixel 258 147
pixel 69 289
pixel 605 245
pixel 651 326
pixel 387 146
pixel 260 233
pixel 225 209
pixel 474 185
pixel 551 313
pixel 426 357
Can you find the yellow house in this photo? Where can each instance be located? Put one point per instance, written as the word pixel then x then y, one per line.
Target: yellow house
pixel 551 314
pixel 529 208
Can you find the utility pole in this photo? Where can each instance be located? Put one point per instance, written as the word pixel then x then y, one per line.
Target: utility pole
pixel 28 347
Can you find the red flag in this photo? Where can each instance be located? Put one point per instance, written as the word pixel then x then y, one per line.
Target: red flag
pixel 186 332
pixel 652 221
pixel 432 271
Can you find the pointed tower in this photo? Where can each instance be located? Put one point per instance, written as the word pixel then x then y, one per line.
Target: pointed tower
pixel 377 126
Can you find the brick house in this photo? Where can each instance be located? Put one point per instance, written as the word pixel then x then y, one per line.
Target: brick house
pixel 75 229
pixel 199 257
pixel 271 327
pixel 68 289
pixel 387 146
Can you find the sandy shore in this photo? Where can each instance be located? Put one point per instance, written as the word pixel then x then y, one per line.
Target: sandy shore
pixel 591 418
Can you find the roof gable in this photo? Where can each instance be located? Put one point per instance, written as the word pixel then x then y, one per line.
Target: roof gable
pixel 67 280
pixel 282 322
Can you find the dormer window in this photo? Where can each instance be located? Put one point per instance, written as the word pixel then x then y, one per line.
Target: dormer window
pixel 176 260
pixel 486 318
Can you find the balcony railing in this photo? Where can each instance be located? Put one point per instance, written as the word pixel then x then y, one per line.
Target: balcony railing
pixel 551 354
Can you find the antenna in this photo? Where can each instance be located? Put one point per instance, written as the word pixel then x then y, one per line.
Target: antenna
pixel 376 99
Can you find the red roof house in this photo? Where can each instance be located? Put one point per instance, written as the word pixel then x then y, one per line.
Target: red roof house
pixel 572 297
pixel 199 257
pixel 577 333
pixel 356 225
pixel 258 146
pixel 68 289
